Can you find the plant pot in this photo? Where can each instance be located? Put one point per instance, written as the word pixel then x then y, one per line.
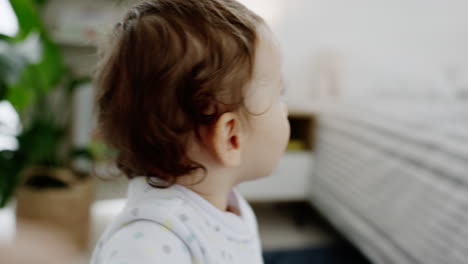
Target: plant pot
pixel 66 209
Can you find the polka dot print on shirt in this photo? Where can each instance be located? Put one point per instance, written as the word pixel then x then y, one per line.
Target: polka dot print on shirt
pixel 176 225
pixel 165 246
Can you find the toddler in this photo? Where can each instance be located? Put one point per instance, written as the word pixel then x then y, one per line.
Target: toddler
pixel 188 93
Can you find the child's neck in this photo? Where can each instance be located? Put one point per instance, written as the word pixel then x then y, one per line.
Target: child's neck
pixel 219 198
pixel 214 189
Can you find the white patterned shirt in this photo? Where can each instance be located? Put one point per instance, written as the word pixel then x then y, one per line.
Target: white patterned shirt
pixel 176 225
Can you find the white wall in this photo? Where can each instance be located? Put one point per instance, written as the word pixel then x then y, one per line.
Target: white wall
pixel 397 45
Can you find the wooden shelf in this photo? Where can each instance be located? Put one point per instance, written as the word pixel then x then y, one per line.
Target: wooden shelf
pixel 303 129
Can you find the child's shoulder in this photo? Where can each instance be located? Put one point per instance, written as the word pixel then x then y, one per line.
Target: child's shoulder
pixel 155 204
pixel 146 203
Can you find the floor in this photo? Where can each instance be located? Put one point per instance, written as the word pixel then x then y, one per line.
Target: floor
pixel 337 254
pixel 281 227
pixel 295 233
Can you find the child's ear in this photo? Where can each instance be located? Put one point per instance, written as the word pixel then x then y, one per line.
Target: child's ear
pixel 226 139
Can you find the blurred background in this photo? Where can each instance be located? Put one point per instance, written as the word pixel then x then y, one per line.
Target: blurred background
pixel 376 170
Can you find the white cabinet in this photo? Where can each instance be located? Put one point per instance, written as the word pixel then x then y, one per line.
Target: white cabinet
pixel 288 182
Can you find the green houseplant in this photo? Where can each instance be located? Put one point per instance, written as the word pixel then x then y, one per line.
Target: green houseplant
pixel 37 83
pixel 31 68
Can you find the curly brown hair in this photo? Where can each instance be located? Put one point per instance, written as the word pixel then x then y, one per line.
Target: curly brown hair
pixel 170 67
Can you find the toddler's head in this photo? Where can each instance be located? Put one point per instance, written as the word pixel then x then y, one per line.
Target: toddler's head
pixel 191 87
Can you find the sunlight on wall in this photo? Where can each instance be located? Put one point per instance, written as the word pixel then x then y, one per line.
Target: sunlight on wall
pixel 8 21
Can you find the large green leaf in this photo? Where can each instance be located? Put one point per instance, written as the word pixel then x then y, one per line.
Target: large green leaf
pixel 11 163
pixel 28 17
pixel 52 65
pixel 19 94
pixel 41 142
pixel 3 90
pixel 43 76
